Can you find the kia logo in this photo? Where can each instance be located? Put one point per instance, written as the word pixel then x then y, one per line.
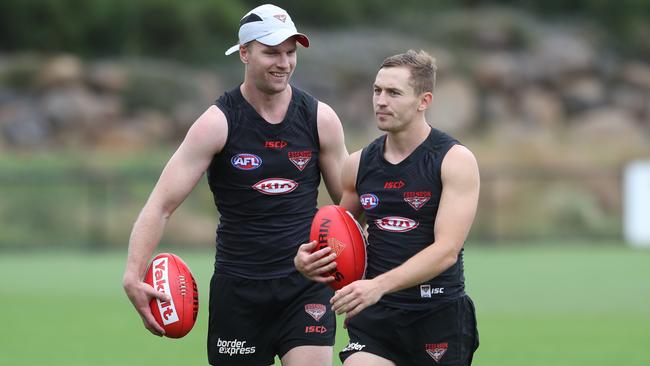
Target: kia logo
pixel 274 186
pixel 396 224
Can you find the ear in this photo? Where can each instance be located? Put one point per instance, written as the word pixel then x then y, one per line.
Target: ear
pixel 243 53
pixel 425 101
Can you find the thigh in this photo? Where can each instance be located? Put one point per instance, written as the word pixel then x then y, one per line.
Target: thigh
pixel 238 325
pixel 308 355
pixel 306 318
pixel 366 359
pixel 373 335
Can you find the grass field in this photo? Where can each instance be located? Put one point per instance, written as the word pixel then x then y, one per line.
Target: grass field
pixel 544 305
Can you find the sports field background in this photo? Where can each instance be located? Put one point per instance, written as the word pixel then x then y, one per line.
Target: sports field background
pixel 553 304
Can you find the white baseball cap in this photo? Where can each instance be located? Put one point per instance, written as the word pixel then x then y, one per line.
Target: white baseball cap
pixel 267 24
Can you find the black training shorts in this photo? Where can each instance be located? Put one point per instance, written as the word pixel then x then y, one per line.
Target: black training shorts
pixel 444 336
pixel 251 321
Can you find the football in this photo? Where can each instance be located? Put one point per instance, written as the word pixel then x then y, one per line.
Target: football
pixel 335 227
pixel 169 274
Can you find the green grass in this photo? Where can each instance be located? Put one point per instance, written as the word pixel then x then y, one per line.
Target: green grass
pixel 543 305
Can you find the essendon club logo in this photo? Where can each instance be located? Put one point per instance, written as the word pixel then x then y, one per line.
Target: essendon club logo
pixel 281 17
pixel 316 311
pixel 436 350
pixel 394 184
pixel 396 224
pixel 300 158
pixel 246 161
pixel 417 199
pixel 369 201
pixel 275 186
pixel 161 284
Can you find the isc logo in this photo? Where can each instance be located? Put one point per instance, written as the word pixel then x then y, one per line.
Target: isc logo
pixel 394 185
pixel 246 161
pixel 315 329
pixel 161 284
pixel 369 201
pixel 275 144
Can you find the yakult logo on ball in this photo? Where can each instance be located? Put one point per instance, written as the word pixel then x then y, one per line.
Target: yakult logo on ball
pixel 396 224
pixel 161 284
pixel 274 186
pixel 246 161
pixel 369 201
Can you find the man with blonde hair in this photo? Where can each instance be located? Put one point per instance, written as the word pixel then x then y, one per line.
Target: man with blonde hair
pixel 264 145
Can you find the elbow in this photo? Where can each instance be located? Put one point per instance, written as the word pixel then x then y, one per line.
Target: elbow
pixel 450 259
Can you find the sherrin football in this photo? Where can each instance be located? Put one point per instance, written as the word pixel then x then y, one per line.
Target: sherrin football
pixel 335 227
pixel 169 274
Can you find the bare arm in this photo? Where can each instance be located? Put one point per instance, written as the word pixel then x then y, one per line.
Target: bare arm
pixel 458 202
pixel 205 138
pixel 332 149
pixel 314 265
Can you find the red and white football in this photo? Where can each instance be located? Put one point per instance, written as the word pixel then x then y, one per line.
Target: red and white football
pixel 335 227
pixel 169 274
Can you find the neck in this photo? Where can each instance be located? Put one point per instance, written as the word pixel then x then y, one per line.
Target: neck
pixel 400 144
pixel 272 107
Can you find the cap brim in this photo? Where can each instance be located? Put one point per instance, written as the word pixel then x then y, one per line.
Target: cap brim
pixel 232 49
pixel 276 38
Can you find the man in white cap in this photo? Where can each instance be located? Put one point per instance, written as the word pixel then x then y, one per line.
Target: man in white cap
pixel 264 145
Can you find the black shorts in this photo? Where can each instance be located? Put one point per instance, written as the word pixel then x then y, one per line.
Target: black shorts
pixel 443 336
pixel 251 321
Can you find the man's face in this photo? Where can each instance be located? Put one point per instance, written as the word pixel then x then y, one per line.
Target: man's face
pixel 394 99
pixel 270 67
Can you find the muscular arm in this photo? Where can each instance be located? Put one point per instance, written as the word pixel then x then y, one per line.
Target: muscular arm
pixel 314 265
pixel 206 137
pixel 458 202
pixel 332 149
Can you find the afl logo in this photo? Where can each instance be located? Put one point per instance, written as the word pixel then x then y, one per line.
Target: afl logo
pixel 246 161
pixel 396 224
pixel 369 201
pixel 275 186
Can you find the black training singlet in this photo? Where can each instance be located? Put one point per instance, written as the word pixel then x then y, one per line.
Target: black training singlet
pixel 265 185
pixel 401 202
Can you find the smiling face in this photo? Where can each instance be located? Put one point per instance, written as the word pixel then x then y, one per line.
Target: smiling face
pixel 269 68
pixel 395 102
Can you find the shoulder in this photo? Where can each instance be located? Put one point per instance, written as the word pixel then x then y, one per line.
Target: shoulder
pixel 329 125
pixel 210 130
pixel 460 164
pixel 326 115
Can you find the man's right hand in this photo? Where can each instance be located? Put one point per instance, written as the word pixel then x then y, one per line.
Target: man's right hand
pixel 140 294
pixel 316 265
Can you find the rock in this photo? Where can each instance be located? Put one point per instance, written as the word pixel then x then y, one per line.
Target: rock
pixel 497 71
pixel 61 70
pixel 24 126
pixel 559 53
pixel 108 76
pixel 542 109
pixel 455 106
pixel 636 73
pixel 607 125
pixel 583 93
pixel 78 108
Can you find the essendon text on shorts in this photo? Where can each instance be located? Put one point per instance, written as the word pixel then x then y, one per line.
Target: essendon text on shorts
pixel 234 347
pixel 161 284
